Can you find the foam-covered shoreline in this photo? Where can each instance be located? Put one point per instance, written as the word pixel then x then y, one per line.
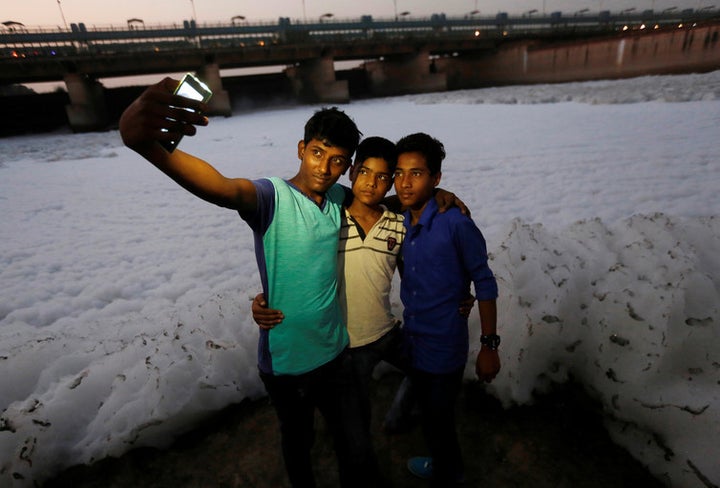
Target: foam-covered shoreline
pixel 630 311
pixel 613 307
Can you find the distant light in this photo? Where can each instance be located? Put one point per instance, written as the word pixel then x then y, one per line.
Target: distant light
pixel 477 33
pixel 625 28
pixel 680 26
pixel 642 26
pixel 657 26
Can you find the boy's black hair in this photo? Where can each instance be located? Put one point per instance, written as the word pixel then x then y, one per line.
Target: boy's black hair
pixel 334 127
pixel 377 147
pixel 428 146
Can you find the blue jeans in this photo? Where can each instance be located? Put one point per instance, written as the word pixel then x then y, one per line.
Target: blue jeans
pixel 436 395
pixel 333 390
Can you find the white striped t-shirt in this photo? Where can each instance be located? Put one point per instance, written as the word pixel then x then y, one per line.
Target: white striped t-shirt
pixel 366 268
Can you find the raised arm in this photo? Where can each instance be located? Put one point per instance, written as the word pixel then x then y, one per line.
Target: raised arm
pixel 158 115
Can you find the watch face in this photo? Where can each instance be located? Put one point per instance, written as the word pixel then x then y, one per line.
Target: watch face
pixel 491 340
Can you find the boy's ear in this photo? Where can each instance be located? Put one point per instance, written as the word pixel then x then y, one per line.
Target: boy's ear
pixel 437 178
pixel 301 149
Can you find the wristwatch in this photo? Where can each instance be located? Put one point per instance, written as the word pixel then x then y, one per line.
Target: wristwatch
pixel 492 341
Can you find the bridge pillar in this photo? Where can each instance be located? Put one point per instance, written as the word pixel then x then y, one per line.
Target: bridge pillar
pixel 87 111
pixel 406 73
pixel 219 104
pixel 314 81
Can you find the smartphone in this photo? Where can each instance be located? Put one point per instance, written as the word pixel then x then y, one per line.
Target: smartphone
pixel 190 87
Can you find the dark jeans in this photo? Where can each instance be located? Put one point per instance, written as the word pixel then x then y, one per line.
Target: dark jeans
pixel 333 390
pixel 436 395
pixel 365 358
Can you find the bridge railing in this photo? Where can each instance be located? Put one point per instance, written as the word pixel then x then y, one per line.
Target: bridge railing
pixel 19 41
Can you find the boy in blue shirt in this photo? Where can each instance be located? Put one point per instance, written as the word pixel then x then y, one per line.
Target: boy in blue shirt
pixel 442 254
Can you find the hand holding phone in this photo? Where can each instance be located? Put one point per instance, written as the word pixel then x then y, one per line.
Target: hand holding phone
pixel 189 87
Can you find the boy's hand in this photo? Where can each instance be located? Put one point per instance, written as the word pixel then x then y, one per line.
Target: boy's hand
pixel 487 364
pixel 158 115
pixel 265 317
pixel 447 200
pixel 466 305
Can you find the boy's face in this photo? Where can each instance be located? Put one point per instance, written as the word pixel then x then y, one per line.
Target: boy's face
pixel 414 184
pixel 371 180
pixel 321 165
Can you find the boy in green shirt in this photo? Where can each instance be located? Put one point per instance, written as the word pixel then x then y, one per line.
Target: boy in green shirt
pixel 296 221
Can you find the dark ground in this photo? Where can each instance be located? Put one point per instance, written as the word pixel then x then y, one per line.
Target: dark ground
pixel 558 442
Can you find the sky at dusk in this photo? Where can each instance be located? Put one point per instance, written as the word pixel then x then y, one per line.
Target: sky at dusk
pixel 52 13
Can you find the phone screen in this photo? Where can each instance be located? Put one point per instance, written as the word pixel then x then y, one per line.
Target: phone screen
pixel 190 88
pixel 193 88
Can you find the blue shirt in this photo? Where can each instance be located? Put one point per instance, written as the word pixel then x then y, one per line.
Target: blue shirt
pixel 441 255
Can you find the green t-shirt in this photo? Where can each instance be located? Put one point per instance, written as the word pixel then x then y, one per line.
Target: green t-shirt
pixel 299 252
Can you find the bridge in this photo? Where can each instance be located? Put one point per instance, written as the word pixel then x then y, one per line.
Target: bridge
pixel 399 55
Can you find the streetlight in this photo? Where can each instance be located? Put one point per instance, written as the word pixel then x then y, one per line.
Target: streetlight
pixel 401 14
pixel 582 11
pixel 530 12
pixel 241 18
pixel 192 2
pixel 326 16
pixel 627 10
pixel 134 23
pixel 62 14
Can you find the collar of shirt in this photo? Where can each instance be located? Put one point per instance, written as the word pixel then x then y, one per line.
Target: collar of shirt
pixel 426 218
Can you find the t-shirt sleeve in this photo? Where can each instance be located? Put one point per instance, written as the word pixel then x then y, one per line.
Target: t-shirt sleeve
pixel 261 219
